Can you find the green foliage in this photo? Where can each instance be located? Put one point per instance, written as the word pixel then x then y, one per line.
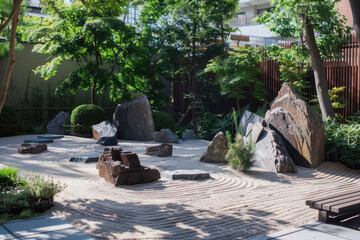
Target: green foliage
pixel 10 180
pixel 236 73
pixel 14 203
pixel 40 188
pixel 261 111
pixel 206 129
pixel 8 116
pixel 239 154
pixel 343 140
pixel 163 120
pixel 87 115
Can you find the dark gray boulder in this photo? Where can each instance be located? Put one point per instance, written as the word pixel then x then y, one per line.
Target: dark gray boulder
pixel 107 141
pixel 104 129
pixel 85 158
pixel 155 136
pixel 249 117
pixel 270 153
pixel 186 174
pixel 189 135
pixel 134 120
pixel 216 150
pixel 55 125
pixel 166 136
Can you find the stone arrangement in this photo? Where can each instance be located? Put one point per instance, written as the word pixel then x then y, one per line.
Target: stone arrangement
pixel 107 141
pixel 162 150
pixel 189 135
pixel 134 120
pixel 124 168
pixel 300 126
pixel 165 136
pixel 104 129
pixel 216 150
pixel 32 148
pixel 55 126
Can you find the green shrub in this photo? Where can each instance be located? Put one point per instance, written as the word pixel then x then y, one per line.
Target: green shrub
pixel 8 116
pixel 163 120
pixel 343 140
pixel 41 188
pixel 239 154
pixel 87 115
pixel 10 180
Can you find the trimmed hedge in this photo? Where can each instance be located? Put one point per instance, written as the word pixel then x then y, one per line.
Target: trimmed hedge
pixel 8 116
pixel 163 120
pixel 87 115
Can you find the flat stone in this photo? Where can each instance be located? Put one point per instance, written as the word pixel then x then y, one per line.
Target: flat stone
pixel 104 129
pixel 107 141
pixel 166 136
pixel 249 117
pixel 216 150
pixel 51 136
pixel 186 174
pixel 32 148
pixel 134 120
pixel 85 158
pixel 163 150
pixel 55 126
pixel 189 135
pixel 38 141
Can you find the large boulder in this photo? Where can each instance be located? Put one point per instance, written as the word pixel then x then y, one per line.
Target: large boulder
pixel 301 127
pixel 270 152
pixel 246 119
pixel 166 136
pixel 134 120
pixel 32 148
pixel 162 150
pixel 104 129
pixel 216 150
pixel 55 126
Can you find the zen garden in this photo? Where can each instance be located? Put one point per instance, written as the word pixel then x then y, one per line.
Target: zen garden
pixel 127 119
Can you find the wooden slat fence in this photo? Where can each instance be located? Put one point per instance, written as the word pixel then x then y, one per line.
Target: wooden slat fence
pixel 341 72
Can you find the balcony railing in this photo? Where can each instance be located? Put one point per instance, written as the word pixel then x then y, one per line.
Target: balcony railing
pixel 241 21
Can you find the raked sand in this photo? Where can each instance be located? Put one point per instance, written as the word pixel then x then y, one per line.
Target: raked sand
pixel 230 205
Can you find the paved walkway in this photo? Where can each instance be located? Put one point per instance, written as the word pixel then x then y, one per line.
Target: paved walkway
pixel 316 231
pixel 44 227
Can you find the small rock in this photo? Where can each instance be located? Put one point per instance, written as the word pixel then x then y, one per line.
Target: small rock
pixel 167 136
pixel 51 136
pixel 85 158
pixel 107 141
pixel 38 141
pixel 32 148
pixel 163 150
pixel 104 129
pixel 216 150
pixel 186 174
pixel 55 125
pixel 189 135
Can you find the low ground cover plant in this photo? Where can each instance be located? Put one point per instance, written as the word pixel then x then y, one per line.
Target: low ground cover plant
pixel 20 198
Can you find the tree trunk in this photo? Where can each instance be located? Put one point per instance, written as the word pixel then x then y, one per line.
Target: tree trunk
pixel 15 10
pixel 11 64
pixel 319 72
pixel 355 8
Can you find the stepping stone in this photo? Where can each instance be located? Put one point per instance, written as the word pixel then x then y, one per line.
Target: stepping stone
pixel 186 174
pixel 51 136
pixel 38 141
pixel 85 158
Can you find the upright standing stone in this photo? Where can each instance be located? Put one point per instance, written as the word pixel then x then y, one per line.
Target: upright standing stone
pixel 246 119
pixel 302 128
pixel 134 120
pixel 104 129
pixel 55 125
pixel 216 150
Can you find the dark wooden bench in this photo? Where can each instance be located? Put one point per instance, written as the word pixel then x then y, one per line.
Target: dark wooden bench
pixel 336 204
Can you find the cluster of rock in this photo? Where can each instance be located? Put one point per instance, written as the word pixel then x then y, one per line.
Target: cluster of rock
pixel 124 168
pixel 291 133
